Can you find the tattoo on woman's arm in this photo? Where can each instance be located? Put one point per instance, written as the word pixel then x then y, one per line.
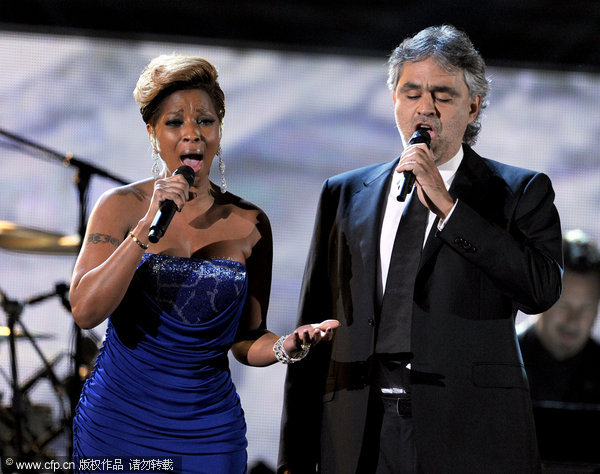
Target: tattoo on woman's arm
pixel 103 239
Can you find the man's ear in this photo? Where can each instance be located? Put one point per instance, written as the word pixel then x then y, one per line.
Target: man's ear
pixel 474 107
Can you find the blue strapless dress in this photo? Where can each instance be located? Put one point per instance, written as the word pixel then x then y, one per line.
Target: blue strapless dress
pixel 161 385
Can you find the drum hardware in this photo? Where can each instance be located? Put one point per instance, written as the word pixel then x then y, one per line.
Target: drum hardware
pixel 39 431
pixel 56 243
pixel 40 374
pixel 13 310
pixel 37 426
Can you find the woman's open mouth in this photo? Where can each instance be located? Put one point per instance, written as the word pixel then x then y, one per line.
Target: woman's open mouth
pixel 193 160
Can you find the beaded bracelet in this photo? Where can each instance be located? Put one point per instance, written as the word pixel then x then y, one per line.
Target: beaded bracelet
pixel 283 356
pixel 137 241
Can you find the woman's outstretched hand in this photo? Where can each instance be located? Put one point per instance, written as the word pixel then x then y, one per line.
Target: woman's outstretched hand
pixel 310 334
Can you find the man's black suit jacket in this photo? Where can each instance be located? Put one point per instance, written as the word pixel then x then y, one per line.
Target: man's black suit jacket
pixel 498 253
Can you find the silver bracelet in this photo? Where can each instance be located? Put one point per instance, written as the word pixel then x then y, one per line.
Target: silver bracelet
pixel 283 356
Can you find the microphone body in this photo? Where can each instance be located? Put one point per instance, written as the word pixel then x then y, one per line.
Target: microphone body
pixel 421 135
pixel 168 208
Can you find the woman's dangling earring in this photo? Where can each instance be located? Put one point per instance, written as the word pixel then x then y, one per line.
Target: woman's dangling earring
pixel 222 170
pixel 156 159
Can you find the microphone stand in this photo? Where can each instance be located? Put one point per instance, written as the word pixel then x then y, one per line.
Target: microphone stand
pixel 82 180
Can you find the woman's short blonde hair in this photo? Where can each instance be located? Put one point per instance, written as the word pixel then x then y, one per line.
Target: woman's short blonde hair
pixel 169 73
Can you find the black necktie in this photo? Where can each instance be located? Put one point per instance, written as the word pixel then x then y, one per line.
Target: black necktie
pixel 393 334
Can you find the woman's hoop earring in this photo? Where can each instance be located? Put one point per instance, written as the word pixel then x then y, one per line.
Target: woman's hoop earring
pixel 222 171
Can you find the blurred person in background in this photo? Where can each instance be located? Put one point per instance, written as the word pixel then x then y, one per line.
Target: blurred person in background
pixel 561 357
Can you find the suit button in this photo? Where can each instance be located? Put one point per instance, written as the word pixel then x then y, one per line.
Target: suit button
pixel 465 245
pixel 371 322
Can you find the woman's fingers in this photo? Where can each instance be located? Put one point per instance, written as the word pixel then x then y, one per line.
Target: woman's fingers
pixel 310 334
pixel 326 328
pixel 174 188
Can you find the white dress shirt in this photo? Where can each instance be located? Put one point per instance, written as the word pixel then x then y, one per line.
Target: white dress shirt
pixel 393 212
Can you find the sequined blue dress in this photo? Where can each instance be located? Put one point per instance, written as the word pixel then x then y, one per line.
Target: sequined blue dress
pixel 161 384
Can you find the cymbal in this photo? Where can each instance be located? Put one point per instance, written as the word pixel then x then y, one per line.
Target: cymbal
pixel 25 239
pixel 18 334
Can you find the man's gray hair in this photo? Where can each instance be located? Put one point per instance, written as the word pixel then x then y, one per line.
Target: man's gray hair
pixel 453 50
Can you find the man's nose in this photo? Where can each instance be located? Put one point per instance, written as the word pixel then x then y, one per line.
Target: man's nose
pixel 427 104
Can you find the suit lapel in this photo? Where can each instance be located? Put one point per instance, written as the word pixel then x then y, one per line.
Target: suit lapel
pixel 365 215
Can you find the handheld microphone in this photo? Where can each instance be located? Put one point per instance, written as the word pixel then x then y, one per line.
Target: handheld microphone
pixel 421 135
pixel 168 208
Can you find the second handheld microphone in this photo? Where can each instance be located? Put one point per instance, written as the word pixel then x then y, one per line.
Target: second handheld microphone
pixel 168 208
pixel 421 135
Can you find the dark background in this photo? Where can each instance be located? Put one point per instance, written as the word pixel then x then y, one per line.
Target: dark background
pixel 547 34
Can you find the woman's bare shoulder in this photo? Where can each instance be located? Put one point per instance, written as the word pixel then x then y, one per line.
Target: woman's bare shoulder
pixel 123 205
pixel 129 194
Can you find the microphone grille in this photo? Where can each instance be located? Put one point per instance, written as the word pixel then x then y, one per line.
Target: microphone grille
pixel 187 172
